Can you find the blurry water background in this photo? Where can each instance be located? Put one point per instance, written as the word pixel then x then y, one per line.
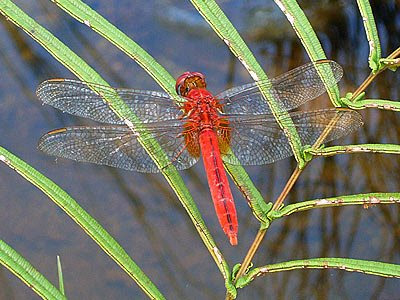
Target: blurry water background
pixel 142 212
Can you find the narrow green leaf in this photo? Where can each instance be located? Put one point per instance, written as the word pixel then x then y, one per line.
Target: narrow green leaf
pixel 308 38
pixel 366 200
pixel 21 268
pixel 83 219
pixel 60 276
pixel 360 148
pixel 372 35
pixel 344 264
pixel 372 103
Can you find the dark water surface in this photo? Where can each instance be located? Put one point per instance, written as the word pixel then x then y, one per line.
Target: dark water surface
pixel 142 212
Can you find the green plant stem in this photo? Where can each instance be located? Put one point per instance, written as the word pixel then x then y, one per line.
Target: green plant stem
pixel 359 148
pixel 373 103
pixel 345 264
pixel 367 200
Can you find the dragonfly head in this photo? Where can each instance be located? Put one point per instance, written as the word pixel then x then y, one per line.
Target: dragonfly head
pixel 189 81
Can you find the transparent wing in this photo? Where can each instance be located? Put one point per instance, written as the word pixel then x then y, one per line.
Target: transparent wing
pixel 75 97
pixel 258 140
pixel 117 146
pixel 291 89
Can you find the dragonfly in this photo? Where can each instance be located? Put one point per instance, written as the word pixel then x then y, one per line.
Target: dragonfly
pixel 234 127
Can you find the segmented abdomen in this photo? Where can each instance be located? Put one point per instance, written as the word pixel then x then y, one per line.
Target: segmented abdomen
pixel 218 183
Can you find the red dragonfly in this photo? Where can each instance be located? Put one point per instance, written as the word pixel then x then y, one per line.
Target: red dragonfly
pixel 237 119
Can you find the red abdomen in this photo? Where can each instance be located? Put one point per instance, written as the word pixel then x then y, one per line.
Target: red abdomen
pixel 218 183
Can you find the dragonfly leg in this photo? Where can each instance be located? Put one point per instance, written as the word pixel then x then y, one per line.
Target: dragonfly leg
pixel 175 158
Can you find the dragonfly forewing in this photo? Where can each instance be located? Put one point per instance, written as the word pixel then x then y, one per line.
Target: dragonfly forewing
pixel 290 89
pixel 76 98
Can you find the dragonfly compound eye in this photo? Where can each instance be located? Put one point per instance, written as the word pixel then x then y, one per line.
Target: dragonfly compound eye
pixel 188 81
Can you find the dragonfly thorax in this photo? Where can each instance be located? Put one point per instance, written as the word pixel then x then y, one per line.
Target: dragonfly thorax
pixel 202 107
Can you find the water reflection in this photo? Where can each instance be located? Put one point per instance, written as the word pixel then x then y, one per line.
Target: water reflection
pixel 142 212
